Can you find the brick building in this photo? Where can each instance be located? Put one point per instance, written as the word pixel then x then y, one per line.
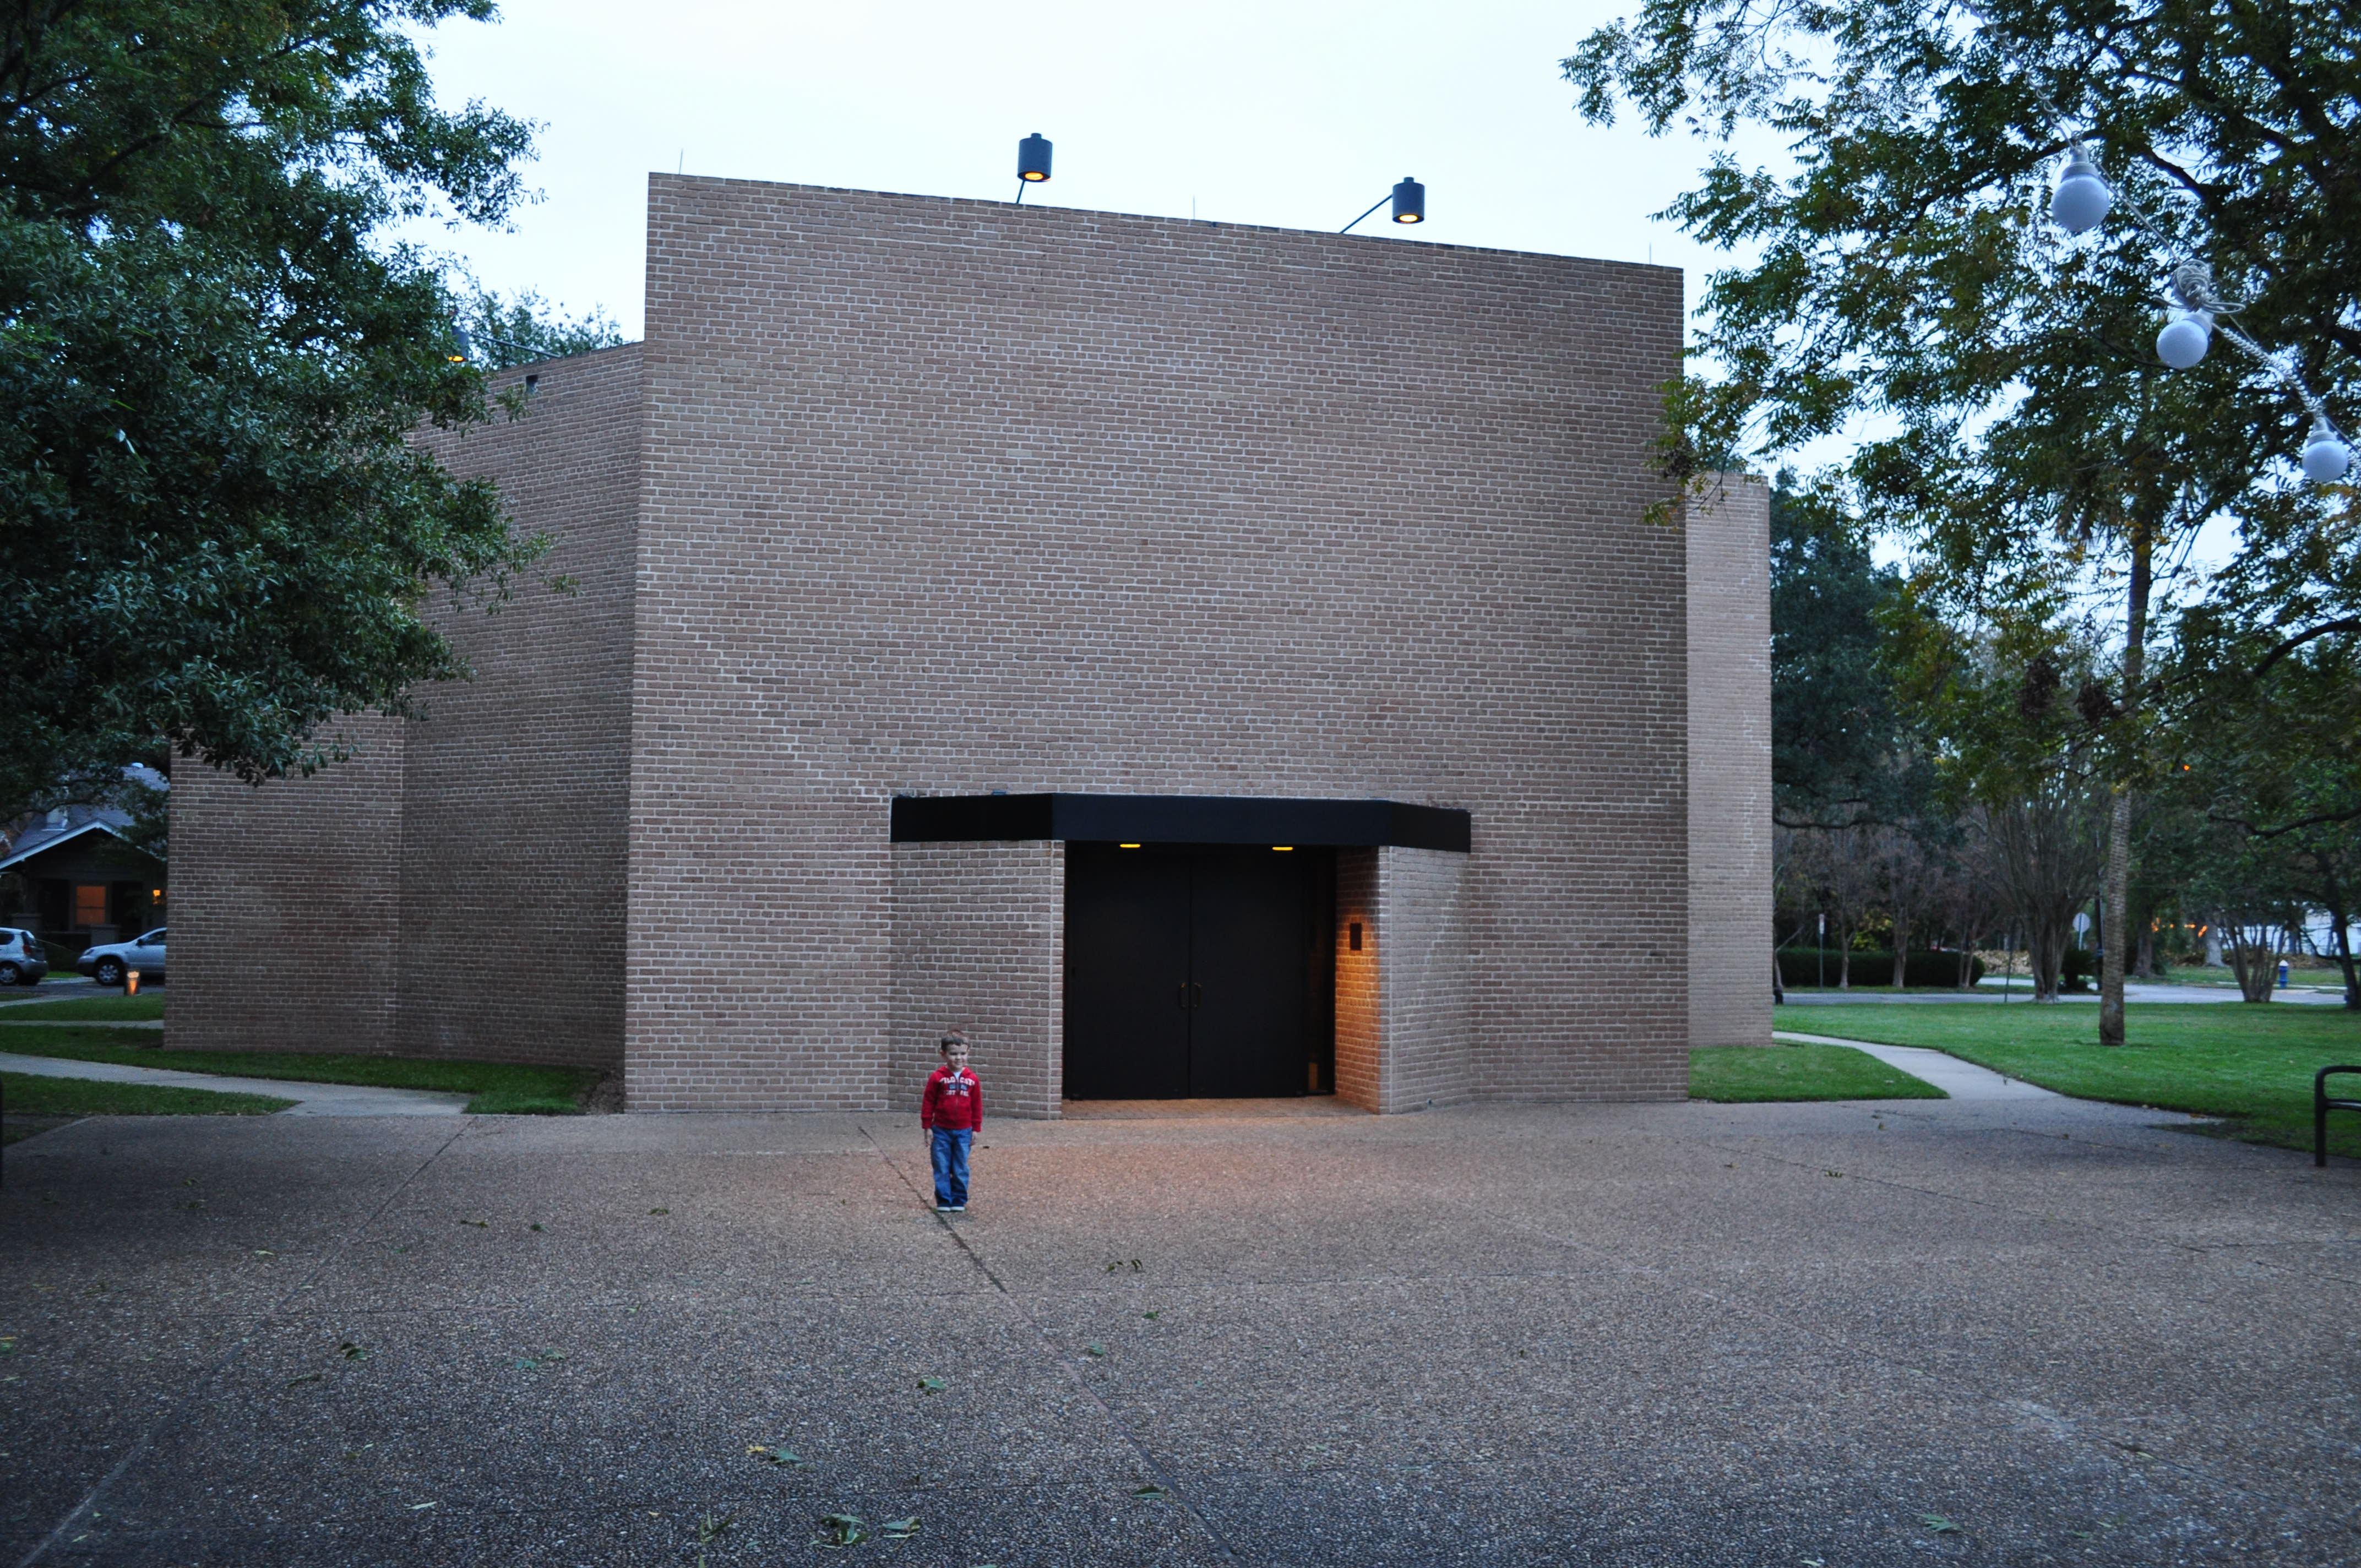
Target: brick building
pixel 1199 659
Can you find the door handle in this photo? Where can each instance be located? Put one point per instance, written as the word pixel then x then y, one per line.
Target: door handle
pixel 1200 988
pixel 1184 994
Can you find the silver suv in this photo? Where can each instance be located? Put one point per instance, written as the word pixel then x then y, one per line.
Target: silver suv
pixel 23 959
pixel 109 964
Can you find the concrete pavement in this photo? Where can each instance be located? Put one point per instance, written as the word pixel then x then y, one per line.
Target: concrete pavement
pixel 2001 1331
pixel 310 1098
pixel 1960 1080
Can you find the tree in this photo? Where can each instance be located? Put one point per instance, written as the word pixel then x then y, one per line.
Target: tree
pixel 2030 436
pixel 218 532
pixel 1838 750
pixel 521 328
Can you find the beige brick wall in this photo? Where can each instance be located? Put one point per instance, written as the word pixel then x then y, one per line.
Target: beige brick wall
pixel 286 904
pixel 456 890
pixel 948 496
pixel 980 944
pixel 1729 532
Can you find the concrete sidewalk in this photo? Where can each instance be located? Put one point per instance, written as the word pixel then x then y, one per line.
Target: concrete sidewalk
pixel 1960 1080
pixel 310 1098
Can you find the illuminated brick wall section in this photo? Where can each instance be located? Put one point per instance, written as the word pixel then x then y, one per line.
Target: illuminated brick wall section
pixel 951 496
pixel 1730 765
pixel 514 805
pixel 286 904
pixel 980 944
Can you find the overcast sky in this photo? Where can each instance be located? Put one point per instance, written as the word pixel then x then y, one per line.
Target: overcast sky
pixel 1295 112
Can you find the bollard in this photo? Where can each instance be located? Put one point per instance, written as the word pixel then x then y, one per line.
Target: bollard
pixel 131 982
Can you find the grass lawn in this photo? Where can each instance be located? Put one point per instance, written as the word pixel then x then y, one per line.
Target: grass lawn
pixel 111 1008
pixel 2252 1063
pixel 499 1088
pixel 1742 1073
pixel 28 1094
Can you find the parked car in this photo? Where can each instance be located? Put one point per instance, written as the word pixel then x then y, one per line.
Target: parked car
pixel 23 959
pixel 109 964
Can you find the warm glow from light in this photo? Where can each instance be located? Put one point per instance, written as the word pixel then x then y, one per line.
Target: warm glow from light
pixel 1409 218
pixel 1281 849
pixel 1032 174
pixel 1126 846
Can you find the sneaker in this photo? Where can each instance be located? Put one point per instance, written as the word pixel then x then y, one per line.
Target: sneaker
pixel 956 1209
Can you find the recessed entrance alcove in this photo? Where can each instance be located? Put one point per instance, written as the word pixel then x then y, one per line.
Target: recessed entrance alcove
pixel 1171 948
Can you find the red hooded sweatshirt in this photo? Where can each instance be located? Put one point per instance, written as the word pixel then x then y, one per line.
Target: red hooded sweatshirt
pixel 953 1103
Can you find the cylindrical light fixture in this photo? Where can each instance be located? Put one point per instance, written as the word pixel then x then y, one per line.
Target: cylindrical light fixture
pixel 1409 201
pixel 2083 197
pixel 1033 158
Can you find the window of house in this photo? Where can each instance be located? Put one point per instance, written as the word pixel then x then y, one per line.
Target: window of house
pixel 90 905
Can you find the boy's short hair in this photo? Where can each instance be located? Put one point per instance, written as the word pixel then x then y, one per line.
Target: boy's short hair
pixel 952 1037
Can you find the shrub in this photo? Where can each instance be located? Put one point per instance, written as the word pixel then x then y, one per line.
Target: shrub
pixel 1801 965
pixel 2076 973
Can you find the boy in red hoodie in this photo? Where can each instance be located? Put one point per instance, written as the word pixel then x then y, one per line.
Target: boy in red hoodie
pixel 951 1114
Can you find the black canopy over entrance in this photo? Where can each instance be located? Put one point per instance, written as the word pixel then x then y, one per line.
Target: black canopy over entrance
pixel 1178 819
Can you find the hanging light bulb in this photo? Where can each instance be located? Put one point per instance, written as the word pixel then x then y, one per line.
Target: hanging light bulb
pixel 2083 197
pixel 2183 342
pixel 2325 457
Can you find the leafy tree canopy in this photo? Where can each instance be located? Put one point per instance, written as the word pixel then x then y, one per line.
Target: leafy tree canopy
pixel 1839 753
pixel 217 533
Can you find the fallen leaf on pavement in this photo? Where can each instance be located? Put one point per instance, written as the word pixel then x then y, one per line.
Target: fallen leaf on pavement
pixel 1150 1493
pixel 841 1530
pixel 1941 1525
pixel 1093 1350
pixel 899 1530
pixel 307 1377
pixel 933 1385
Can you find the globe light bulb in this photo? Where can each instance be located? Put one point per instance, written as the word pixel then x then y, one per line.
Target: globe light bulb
pixel 2183 342
pixel 2325 457
pixel 2083 197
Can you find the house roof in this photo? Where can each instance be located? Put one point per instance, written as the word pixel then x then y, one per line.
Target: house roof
pixel 39 840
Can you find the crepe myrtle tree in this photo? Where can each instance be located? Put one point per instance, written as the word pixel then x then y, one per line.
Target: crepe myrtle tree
pixel 1912 283
pixel 217 531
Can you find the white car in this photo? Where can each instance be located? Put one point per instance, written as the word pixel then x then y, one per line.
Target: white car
pixel 109 964
pixel 23 959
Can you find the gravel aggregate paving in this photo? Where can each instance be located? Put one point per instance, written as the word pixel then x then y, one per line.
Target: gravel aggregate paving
pixel 1997 1330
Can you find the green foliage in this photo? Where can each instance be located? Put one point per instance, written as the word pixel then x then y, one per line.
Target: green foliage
pixel 34 1094
pixel 217 533
pixel 1741 1074
pixel 1874 967
pixel 497 1086
pixel 522 328
pixel 1839 751
pixel 2211 1058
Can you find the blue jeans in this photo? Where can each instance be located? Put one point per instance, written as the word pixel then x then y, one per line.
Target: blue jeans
pixel 950 1167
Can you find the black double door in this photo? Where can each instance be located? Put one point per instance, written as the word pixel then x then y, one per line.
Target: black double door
pixel 1200 971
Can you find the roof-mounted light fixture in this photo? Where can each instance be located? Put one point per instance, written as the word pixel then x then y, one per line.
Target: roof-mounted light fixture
pixel 1032 162
pixel 1409 198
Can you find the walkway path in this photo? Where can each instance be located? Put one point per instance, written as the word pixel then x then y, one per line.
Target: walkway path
pixel 310 1098
pixel 1960 1080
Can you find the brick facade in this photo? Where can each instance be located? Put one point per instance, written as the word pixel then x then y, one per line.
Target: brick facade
pixel 1730 763
pixel 948 496
pixel 456 890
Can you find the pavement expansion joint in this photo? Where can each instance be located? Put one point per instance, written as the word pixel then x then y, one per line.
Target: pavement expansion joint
pixel 1157 1473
